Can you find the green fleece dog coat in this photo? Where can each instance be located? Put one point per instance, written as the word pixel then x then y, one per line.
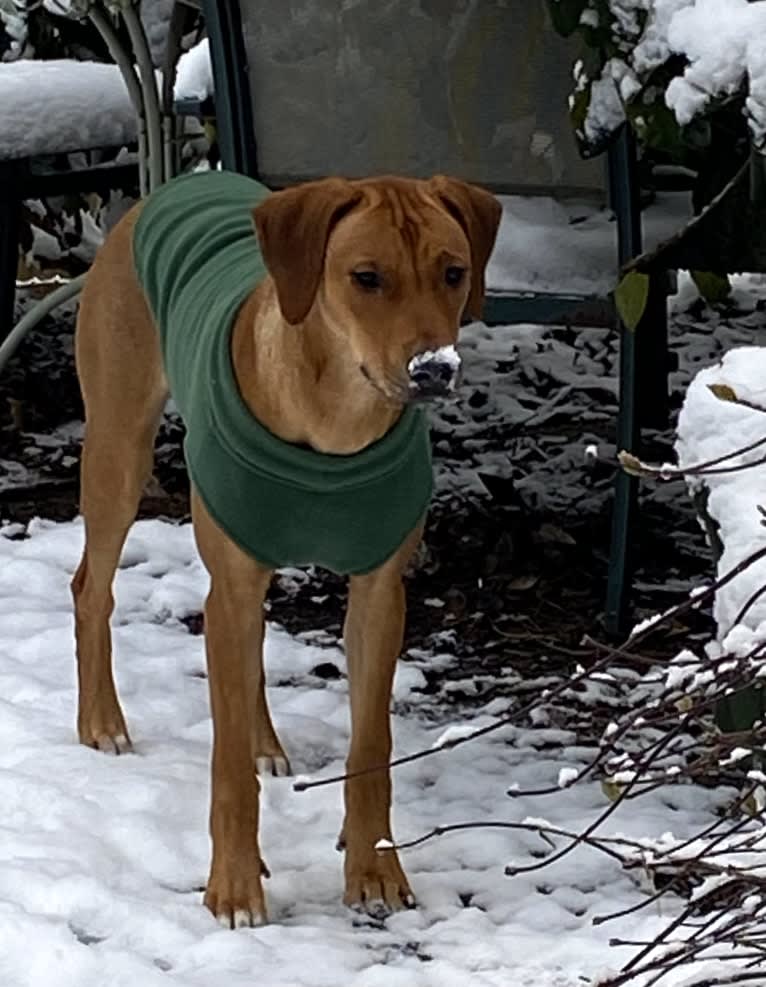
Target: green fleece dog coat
pixel 197 258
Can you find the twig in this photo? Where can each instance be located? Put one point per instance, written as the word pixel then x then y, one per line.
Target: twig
pixel 644 262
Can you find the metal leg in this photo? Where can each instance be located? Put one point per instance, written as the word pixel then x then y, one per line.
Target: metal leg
pixel 653 357
pixel 623 192
pixel 234 111
pixel 10 224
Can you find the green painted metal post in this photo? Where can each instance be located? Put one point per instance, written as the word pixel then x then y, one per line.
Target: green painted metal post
pixel 234 114
pixel 623 193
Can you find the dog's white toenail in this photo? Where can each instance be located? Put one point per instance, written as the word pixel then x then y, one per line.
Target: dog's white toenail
pixel 281 767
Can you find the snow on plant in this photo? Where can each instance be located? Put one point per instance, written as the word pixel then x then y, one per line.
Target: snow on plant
pixel 689 77
pixel 663 63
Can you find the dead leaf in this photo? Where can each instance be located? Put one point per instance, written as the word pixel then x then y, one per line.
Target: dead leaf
pixel 553 535
pixel 723 392
pixel 630 463
pixel 523 583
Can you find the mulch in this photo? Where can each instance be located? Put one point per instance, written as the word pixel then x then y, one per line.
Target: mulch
pixel 499 583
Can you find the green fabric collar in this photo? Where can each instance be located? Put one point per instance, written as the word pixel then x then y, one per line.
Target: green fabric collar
pixel 264 453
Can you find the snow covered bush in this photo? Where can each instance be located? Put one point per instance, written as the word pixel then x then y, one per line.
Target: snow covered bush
pixel 689 78
pixel 667 66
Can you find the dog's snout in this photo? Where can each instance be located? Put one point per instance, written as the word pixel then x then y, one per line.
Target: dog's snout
pixel 433 377
pixel 434 372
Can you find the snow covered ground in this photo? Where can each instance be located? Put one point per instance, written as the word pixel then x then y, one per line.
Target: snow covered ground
pixel 102 859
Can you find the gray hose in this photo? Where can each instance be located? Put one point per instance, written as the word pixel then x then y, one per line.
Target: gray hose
pixel 36 314
pixel 149 90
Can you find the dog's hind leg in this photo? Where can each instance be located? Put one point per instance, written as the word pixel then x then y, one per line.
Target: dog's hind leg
pixel 112 476
pixel 123 388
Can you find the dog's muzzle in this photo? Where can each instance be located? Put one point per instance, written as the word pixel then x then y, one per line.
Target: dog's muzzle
pixel 434 373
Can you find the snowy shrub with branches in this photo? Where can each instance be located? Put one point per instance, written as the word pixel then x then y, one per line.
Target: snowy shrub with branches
pixel 668 67
pixel 694 724
pixel 689 78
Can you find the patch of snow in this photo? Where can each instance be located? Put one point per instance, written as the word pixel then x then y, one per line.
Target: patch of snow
pixel 102 859
pixel 570 247
pixel 724 42
pixel 62 105
pixel 605 109
pixel 707 428
pixel 567 776
pixel 194 76
pixel 446 355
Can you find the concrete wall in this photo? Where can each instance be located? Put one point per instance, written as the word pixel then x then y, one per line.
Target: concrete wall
pixel 475 88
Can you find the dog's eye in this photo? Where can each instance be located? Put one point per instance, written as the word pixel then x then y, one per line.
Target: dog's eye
pixel 368 280
pixel 454 275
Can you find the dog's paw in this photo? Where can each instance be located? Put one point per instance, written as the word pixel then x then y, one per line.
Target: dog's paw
pixel 376 884
pixel 118 744
pixel 275 765
pixel 236 901
pixel 105 731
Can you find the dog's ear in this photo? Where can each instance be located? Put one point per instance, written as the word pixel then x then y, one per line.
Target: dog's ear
pixel 293 228
pixel 478 212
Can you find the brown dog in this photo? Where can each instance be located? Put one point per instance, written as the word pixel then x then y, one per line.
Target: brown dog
pixel 363 276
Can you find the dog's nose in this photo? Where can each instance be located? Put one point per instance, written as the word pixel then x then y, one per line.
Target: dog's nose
pixel 434 373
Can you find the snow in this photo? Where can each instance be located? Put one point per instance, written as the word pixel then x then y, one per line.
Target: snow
pixel 605 109
pixel 707 428
pixel 542 244
pixel 102 859
pixel 62 105
pixel 723 42
pixel 569 247
pixel 445 356
pixel 194 75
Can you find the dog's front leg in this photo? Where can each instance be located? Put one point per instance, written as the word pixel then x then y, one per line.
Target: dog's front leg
pixel 373 638
pixel 234 626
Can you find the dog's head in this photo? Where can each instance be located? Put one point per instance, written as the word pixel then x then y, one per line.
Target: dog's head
pixel 391 264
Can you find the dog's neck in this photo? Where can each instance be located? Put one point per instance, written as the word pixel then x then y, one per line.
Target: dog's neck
pixel 302 383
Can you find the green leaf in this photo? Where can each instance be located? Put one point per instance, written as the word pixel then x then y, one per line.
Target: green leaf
pixel 631 296
pixel 714 288
pixel 612 789
pixel 655 124
pixel 566 15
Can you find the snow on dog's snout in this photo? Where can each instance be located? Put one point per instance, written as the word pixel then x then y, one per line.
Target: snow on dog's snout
pixel 444 354
pixel 446 358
